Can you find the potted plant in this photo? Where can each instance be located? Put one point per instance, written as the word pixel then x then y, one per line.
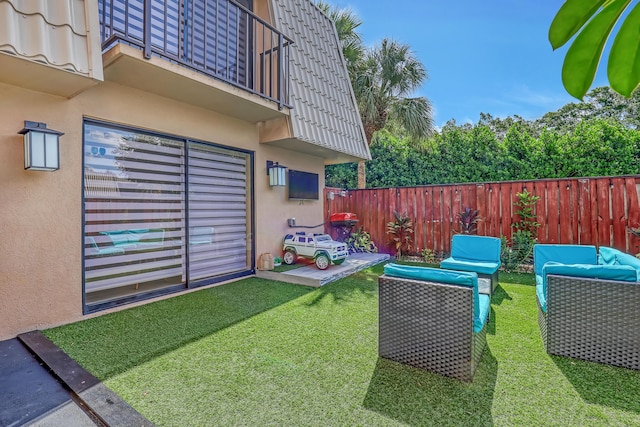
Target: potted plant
pixel 277 261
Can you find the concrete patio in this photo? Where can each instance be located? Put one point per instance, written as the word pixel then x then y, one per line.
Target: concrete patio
pixel 310 275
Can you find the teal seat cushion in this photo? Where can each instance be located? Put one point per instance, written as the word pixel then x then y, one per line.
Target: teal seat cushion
pixel 538 279
pixel 119 237
pixel 476 248
pixel 564 254
pixel 439 276
pixel 624 273
pixel 481 267
pixel 541 297
pixel 431 274
pixel 607 255
pixel 484 306
pixel 629 260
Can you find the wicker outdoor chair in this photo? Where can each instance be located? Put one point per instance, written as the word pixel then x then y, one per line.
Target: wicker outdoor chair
pixel 592 319
pixel 430 325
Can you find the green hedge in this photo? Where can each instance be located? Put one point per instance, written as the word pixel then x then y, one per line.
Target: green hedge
pixel 476 153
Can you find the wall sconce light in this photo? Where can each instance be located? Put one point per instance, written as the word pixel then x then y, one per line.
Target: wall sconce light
pixel 276 172
pixel 41 147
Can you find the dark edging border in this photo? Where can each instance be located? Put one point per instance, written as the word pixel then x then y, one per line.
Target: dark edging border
pixel 100 401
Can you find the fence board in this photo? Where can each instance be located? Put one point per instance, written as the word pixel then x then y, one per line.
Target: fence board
pixel 428 218
pixel 437 219
pixel 539 189
pixel 565 212
pixel 506 217
pixel 448 195
pixel 494 213
pixel 553 212
pixel 603 215
pixel 632 186
pixel 420 218
pixel 481 206
pixel 586 211
pixel 618 214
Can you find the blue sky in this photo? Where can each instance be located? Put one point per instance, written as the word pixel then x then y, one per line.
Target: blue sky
pixel 488 56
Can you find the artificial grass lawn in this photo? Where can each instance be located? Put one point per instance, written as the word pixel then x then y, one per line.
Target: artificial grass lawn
pixel 258 352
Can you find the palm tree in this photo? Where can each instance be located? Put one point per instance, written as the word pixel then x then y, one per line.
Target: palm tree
pixel 382 81
pixel 346 23
pixel 382 78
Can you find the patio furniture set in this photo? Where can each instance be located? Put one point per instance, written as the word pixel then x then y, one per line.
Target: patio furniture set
pixel 436 319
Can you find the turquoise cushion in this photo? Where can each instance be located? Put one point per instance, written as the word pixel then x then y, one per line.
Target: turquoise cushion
pixel 541 297
pixel 120 237
pixel 475 248
pixel 607 255
pixel 629 260
pixel 538 280
pixel 565 254
pixel 484 267
pixel 606 272
pixel 437 275
pixel 484 306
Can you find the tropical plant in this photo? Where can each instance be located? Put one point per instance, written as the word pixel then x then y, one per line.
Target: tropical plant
pixel 382 83
pixel 593 21
pixel 347 23
pixel 468 220
pixel 401 231
pixel 527 224
pixel 429 256
pixel 360 241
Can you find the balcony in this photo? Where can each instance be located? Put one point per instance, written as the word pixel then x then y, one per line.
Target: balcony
pixel 215 54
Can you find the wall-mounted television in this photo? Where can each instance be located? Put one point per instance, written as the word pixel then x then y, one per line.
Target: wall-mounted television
pixel 303 185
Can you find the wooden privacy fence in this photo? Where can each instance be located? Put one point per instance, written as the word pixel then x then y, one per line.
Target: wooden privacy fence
pixel 587 211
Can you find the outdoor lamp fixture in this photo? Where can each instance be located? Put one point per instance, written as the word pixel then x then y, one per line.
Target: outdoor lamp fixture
pixel 41 147
pixel 276 172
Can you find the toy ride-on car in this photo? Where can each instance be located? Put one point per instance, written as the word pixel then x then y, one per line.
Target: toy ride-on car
pixel 319 247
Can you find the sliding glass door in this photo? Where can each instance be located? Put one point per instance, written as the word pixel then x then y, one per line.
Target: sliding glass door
pixel 161 214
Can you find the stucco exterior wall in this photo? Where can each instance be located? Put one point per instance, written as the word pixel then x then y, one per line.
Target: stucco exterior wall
pixel 41 213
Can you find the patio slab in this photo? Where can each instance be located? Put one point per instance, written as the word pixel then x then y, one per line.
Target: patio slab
pixel 310 275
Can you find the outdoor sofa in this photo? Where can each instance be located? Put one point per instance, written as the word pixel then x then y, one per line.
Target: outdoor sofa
pixel 478 254
pixel 589 303
pixel 432 319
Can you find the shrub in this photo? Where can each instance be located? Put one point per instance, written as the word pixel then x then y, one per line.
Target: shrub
pixel 360 241
pixel 401 231
pixel 524 209
pixel 429 256
pixel 516 254
pixel 468 220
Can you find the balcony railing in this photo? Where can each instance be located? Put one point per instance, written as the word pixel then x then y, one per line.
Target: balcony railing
pixel 219 38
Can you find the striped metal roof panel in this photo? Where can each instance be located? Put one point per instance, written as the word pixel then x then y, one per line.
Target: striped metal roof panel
pixel 324 110
pixel 52 32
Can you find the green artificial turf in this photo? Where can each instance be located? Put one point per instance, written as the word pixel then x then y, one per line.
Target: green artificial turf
pixel 258 352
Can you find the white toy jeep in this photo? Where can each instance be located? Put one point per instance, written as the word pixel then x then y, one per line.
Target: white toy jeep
pixel 319 247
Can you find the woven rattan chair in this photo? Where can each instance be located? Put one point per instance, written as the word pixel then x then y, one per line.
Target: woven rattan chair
pixel 592 319
pixel 429 325
pixel 479 254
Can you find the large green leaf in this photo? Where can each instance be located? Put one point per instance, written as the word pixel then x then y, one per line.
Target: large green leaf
pixel 581 62
pixel 570 18
pixel 624 58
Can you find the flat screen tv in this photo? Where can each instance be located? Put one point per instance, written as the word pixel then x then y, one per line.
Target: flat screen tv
pixel 303 185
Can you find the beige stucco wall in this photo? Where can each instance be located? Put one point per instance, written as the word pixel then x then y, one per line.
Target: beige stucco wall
pixel 40 212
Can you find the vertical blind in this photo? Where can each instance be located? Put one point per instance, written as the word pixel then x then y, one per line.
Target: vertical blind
pixel 217 212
